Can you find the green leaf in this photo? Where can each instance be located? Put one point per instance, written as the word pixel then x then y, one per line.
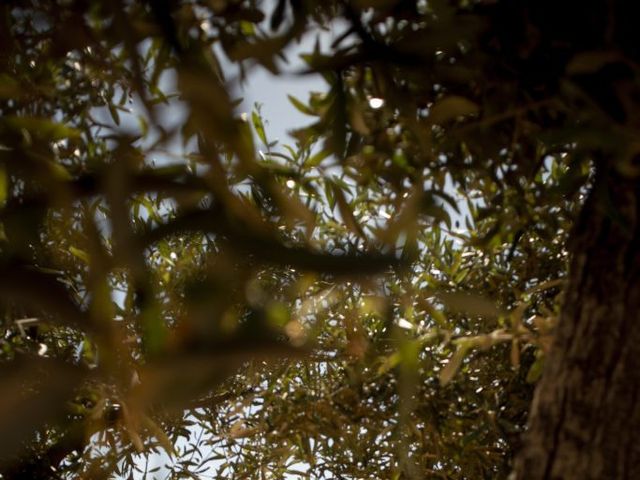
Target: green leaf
pixel 113 110
pixel 80 254
pixel 455 362
pixel 591 62
pixel 437 212
pixel 300 106
pixel 451 107
pixel 331 198
pixel 535 371
pixel 317 158
pixel 4 186
pixel 41 127
pixel 346 211
pixel 259 126
pixel 469 304
pixel 389 362
pixel 9 87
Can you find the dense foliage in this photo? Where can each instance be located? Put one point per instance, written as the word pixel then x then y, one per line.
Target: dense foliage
pixel 374 301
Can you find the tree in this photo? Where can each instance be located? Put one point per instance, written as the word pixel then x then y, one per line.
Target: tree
pixel 253 274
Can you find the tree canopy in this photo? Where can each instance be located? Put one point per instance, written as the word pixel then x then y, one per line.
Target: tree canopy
pixel 375 299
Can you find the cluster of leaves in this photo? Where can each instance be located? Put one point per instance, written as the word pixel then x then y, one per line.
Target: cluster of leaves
pixel 374 301
pixel 412 373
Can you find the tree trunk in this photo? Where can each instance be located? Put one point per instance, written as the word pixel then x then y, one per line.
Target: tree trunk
pixel 585 417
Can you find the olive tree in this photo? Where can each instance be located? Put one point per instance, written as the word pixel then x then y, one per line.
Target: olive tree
pixel 375 300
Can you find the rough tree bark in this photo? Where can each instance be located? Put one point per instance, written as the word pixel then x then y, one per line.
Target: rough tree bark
pixel 585 418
